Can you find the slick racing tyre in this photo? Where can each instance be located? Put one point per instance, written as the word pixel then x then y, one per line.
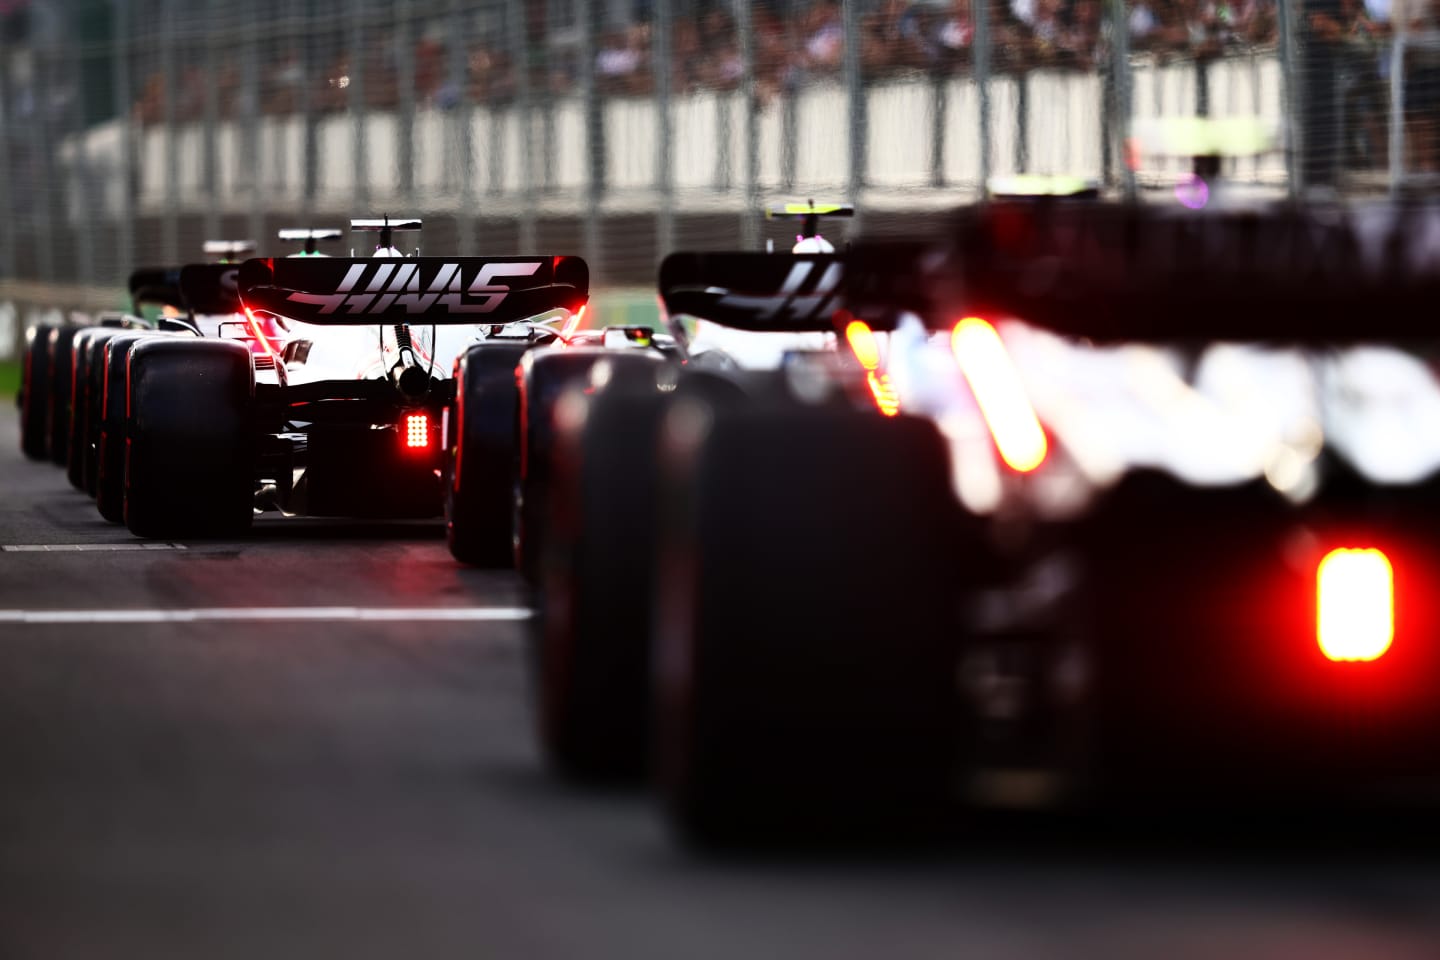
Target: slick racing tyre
pixel 110 449
pixel 544 376
pixel 95 408
pixel 89 344
pixel 35 393
pixel 592 625
pixel 805 631
pixel 62 341
pixel 483 455
pixel 189 462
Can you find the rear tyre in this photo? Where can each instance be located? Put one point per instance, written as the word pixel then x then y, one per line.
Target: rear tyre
pixel 110 459
pixel 483 454
pixel 35 393
pixel 62 340
pixel 592 628
pixel 592 631
pixel 82 350
pixel 805 627
pixel 94 409
pixel 189 462
pixel 544 376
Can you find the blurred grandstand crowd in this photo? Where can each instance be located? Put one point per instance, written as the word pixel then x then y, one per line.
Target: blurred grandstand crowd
pixel 794 44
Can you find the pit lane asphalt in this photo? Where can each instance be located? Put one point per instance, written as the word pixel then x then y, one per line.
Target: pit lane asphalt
pixel 370 789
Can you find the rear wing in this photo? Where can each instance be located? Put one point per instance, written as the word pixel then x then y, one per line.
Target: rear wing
pixel 1117 272
pixel 155 285
pixel 350 290
pixel 210 288
pixel 767 292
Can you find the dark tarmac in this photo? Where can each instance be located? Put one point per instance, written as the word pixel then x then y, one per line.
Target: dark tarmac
pixel 177 785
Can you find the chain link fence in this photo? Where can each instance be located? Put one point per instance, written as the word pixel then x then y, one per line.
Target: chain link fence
pixel 132 130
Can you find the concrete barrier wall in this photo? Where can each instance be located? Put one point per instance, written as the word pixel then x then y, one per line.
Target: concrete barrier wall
pixel 802 148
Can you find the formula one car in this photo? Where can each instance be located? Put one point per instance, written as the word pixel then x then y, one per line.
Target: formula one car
pixel 1164 544
pixel 344 415
pixel 766 332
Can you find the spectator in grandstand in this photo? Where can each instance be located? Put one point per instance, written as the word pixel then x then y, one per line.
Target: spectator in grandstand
pixel 622 64
pixel 1322 33
pixel 824 37
pixel 1422 87
pixel 150 106
pixel 956 34
pixel 1364 61
pixel 1083 43
pixel 281 84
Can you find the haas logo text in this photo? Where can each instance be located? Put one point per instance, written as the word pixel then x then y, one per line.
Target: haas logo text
pixel 396 285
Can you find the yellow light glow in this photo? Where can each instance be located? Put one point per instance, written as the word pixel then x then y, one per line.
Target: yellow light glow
pixel 1356 599
pixel 885 397
pixel 996 384
pixel 862 344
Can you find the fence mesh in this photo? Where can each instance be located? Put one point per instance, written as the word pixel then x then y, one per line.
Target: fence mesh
pixel 132 130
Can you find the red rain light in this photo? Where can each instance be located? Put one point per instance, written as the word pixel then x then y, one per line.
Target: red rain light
pixel 417 431
pixel 996 385
pixel 1356 604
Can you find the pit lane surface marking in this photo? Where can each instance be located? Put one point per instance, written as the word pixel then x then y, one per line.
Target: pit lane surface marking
pixel 244 614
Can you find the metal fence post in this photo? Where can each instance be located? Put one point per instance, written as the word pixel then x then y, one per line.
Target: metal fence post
pixel 519 41
pixel 80 194
pixel 1120 119
pixel 590 11
pixel 1290 104
pixel 664 127
pixel 250 121
pixel 358 146
pixel 7 199
pixel 499 113
pixel 44 164
pixel 404 13
pixel 210 158
pixel 1202 87
pixel 120 79
pixel 981 47
pixel 309 123
pixel 1397 107
pixel 169 223
pixel 939 107
pixel 461 118
pixel 858 133
pixel 1022 122
pixel 750 212
pixel 789 135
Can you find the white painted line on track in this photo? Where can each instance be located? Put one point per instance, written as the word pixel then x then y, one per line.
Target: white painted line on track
pixel 86 547
pixel 271 614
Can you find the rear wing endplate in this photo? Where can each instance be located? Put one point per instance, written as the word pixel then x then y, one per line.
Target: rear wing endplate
pixel 444 290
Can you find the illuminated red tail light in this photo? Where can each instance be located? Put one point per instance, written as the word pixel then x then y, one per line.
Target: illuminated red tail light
pixel 1356 604
pixel 260 337
pixel 862 343
pixel 999 393
pixel 417 431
